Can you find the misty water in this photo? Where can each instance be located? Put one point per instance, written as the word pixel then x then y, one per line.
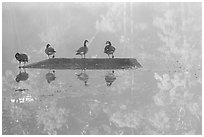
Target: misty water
pixel 162 97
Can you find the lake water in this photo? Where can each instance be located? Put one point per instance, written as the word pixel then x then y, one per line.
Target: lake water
pixel 162 97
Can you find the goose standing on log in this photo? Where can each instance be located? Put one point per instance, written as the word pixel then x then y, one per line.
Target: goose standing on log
pixel 21 58
pixel 50 51
pixel 83 50
pixel 109 49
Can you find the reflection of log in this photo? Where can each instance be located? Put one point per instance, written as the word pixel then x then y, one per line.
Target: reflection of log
pixel 89 63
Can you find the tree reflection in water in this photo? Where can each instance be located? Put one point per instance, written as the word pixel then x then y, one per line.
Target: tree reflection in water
pixel 54 109
pixel 51 119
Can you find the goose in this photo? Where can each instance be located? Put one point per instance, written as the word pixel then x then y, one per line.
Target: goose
pixel 83 50
pixel 21 58
pixel 50 51
pixel 109 49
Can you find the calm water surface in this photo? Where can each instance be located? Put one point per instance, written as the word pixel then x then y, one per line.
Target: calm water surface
pixel 137 102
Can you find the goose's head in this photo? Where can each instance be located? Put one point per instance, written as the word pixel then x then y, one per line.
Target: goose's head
pixel 48 45
pixel 17 55
pixel 85 43
pixel 108 43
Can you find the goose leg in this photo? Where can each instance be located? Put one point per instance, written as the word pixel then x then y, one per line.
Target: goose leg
pixel 19 69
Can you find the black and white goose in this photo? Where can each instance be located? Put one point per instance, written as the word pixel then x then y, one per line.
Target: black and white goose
pixel 50 51
pixel 83 50
pixel 21 58
pixel 109 49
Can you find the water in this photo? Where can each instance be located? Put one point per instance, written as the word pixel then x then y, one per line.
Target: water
pixel 163 97
pixel 135 103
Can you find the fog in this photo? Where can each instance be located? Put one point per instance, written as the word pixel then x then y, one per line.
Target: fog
pixel 163 97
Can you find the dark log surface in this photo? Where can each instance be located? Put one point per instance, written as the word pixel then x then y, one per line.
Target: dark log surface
pixel 88 63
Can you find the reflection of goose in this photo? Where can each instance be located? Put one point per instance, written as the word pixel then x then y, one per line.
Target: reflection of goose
pixel 109 49
pixel 50 76
pixel 21 58
pixel 50 51
pixel 22 76
pixel 20 90
pixel 110 78
pixel 83 50
pixel 83 77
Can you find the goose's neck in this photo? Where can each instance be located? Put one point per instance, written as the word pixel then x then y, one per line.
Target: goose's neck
pixel 85 44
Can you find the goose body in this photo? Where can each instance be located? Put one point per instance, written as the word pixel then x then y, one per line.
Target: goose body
pixel 50 51
pixel 109 49
pixel 83 50
pixel 21 58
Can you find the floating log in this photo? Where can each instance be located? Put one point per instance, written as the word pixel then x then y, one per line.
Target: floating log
pixel 88 63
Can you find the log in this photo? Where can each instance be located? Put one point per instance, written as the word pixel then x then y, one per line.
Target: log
pixel 88 63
